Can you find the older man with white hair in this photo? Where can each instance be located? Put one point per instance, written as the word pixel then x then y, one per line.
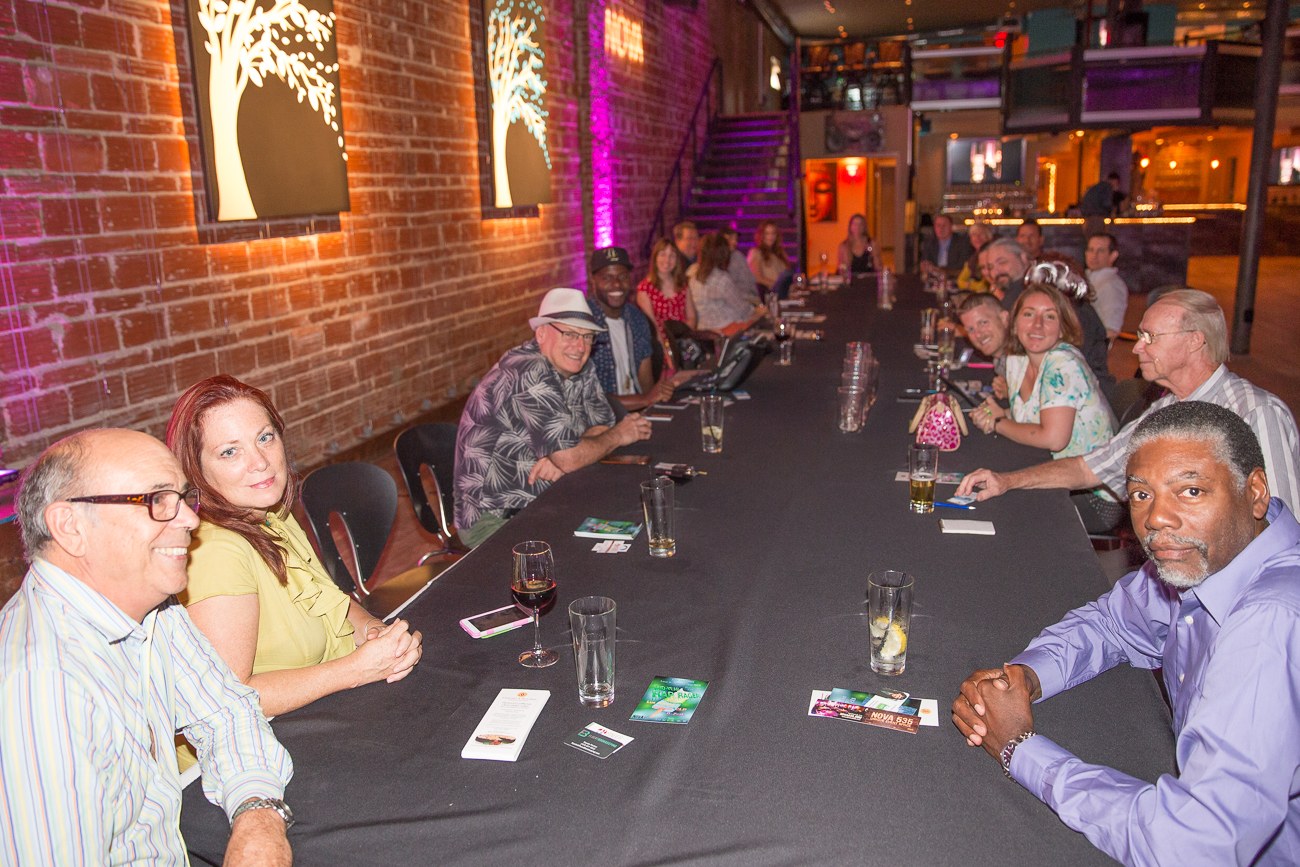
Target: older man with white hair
pixel 539 413
pixel 1182 345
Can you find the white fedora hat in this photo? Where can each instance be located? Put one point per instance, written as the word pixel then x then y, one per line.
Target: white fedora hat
pixel 565 307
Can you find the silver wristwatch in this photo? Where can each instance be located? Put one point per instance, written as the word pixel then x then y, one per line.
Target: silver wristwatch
pixel 1010 750
pixel 265 804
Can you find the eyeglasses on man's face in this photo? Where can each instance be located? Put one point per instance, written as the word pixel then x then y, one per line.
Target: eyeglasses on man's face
pixel 1149 337
pixel 163 505
pixel 587 337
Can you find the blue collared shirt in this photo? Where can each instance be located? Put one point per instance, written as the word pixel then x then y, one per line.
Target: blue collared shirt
pixel 1230 653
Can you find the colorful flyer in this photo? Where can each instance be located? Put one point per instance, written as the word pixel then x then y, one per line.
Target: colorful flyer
pixel 670 700
pixel 887 709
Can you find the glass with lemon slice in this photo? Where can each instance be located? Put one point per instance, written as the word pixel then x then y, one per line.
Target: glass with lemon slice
pixel 889 613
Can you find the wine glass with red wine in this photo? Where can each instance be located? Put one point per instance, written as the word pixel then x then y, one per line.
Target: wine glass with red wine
pixel 533 586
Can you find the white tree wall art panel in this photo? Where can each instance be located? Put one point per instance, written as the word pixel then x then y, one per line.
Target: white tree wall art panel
pixel 266 77
pixel 516 68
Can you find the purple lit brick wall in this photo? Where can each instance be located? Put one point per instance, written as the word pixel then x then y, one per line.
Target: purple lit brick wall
pixel 116 292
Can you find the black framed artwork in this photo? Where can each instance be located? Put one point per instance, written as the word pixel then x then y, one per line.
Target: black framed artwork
pixel 266 83
pixel 518 160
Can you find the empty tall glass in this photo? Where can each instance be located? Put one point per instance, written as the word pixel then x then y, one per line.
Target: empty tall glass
pixel 592 619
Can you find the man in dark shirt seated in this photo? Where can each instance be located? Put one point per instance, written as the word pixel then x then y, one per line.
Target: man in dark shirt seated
pixel 945 252
pixel 622 355
pixel 1217 610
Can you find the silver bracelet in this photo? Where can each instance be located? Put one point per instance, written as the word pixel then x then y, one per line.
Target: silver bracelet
pixel 1010 750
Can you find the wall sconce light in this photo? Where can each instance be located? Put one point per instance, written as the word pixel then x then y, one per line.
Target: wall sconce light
pixel 1214 164
pixel 1173 164
pixel 1144 162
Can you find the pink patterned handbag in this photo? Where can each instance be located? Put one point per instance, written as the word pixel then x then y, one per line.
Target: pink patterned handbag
pixel 939 422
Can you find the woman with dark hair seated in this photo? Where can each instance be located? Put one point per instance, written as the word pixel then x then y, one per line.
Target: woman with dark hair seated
pixel 256 588
pixel 1056 402
pixel 768 260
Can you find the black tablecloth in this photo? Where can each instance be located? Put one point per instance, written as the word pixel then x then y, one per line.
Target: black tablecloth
pixel 765 601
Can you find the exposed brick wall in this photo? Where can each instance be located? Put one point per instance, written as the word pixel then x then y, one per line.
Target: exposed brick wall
pixel 116 292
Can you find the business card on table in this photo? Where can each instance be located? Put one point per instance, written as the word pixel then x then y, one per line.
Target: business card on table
pixel 612 546
pixel 670 700
pixel 598 741
pixel 500 735
pixel 941 479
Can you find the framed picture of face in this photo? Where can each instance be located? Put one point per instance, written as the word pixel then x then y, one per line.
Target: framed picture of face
pixel 821 192
pixel 266 83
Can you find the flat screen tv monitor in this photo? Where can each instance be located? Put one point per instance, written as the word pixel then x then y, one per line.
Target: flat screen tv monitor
pixel 1285 169
pixel 975 161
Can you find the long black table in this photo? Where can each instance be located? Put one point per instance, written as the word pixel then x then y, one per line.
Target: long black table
pixel 765 601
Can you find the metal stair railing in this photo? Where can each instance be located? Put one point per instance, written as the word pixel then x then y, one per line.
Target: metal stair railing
pixel 710 99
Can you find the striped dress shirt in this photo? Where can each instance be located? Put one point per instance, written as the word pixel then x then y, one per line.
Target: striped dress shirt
pixel 1266 414
pixel 90 701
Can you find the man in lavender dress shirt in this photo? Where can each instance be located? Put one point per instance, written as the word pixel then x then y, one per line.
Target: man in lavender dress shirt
pixel 1217 608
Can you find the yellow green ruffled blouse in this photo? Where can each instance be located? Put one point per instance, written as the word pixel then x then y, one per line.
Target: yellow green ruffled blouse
pixel 300 624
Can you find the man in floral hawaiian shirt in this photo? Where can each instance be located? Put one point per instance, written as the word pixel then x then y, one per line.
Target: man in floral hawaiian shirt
pixel 538 413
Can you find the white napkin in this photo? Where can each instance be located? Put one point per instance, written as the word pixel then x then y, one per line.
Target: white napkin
pixel 974 528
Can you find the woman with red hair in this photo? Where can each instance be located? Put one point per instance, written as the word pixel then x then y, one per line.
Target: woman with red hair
pixel 256 588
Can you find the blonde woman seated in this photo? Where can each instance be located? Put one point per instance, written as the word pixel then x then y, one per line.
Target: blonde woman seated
pixel 972 278
pixel 1056 403
pixel 768 261
pixel 256 588
pixel 857 254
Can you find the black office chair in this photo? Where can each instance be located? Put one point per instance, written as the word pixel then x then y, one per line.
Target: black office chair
pixel 431 447
pixel 363 497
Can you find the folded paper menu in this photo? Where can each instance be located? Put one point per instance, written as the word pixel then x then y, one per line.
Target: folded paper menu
pixel 974 528
pixel 501 733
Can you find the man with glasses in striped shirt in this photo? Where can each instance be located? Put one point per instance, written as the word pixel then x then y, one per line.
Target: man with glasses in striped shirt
pixel 1183 346
pixel 100 667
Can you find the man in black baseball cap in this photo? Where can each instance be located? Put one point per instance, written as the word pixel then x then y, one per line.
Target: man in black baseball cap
pixel 622 357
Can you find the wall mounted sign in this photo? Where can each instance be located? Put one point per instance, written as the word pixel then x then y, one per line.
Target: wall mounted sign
pixel 516 73
pixel 266 78
pixel 623 37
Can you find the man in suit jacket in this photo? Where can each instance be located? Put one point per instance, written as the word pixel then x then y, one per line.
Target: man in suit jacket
pixel 944 252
